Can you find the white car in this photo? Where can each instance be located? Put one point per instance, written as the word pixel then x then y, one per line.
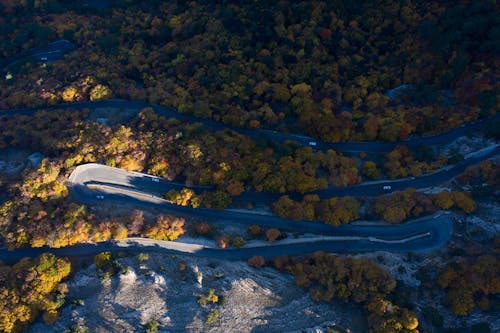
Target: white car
pixel 100 197
pixel 312 143
pixel 387 187
pixel 156 180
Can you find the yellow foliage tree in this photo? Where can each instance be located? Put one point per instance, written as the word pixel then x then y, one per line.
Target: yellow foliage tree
pixel 131 164
pixel 464 202
pixel 166 228
pixel 443 199
pixel 100 92
pixel 69 94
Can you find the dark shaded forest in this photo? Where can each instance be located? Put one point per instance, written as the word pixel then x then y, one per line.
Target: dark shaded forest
pixel 324 68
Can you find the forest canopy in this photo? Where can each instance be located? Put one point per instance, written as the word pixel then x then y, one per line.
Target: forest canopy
pixel 336 70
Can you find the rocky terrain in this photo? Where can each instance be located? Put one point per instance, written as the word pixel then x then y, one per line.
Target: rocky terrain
pixel 161 289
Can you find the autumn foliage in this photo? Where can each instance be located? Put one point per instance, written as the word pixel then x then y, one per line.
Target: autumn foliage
pixel 400 163
pixel 312 60
pixel 190 153
pixel 334 211
pixel 402 205
pixel 470 283
pixel 272 234
pixel 257 261
pixel 330 277
pixel 487 172
pixel 165 228
pixel 29 288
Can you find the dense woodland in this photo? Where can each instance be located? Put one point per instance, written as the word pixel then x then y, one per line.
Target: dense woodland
pixel 29 288
pixel 189 153
pixel 318 67
pixel 335 70
pixel 331 278
pixel 471 283
pixel 196 155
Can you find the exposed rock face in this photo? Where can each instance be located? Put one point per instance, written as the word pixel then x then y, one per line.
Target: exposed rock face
pixel 257 300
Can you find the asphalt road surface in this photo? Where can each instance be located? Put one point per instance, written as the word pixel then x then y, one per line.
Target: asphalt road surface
pixel 88 186
pixel 134 190
pixel 257 134
pixel 52 52
pixel 433 237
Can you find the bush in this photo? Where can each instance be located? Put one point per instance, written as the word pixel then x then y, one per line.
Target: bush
pixel 103 260
pixel 213 317
pixel 238 242
pixel 257 261
pixel 208 297
pixel 151 327
pixel 142 257
pixel 272 234
pixel 254 230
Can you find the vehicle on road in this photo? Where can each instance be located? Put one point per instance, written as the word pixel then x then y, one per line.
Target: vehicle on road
pixel 387 188
pixel 100 197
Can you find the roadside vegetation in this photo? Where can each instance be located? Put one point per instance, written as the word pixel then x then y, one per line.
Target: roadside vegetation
pixel 393 208
pixel 41 213
pixel 183 152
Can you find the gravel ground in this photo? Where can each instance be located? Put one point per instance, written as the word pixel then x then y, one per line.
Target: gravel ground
pixel 256 300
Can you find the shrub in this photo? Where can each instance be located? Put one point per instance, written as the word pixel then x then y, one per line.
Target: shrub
pixel 257 261
pixel 213 317
pixel 272 234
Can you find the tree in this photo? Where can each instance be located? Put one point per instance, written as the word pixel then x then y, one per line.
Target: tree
pixel 182 198
pixel 136 222
pixel 257 261
pixel 103 259
pixel 254 230
pixel 272 234
pixel 29 288
pixel 235 188
pixel 238 242
pixel 130 163
pixel 166 228
pixel 217 199
pixel 464 202
pixel 222 241
pixel 100 92
pixel 443 199
pixel 467 281
pixel 69 94
pixel 203 228
pixel 370 170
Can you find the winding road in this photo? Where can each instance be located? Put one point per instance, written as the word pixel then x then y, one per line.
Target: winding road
pixel 371 146
pixel 91 181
